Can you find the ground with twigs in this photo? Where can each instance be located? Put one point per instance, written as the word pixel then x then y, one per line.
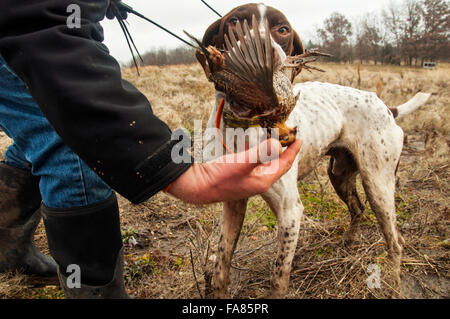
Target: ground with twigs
pixel 171 246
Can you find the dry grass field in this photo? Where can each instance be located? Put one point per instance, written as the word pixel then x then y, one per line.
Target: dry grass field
pixel 170 245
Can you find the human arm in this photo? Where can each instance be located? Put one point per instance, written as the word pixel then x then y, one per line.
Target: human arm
pixel 78 86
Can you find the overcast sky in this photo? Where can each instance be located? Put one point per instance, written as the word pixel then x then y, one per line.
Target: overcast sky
pixel 194 17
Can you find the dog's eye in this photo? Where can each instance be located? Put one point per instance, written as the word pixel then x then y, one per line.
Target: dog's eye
pixel 234 21
pixel 283 30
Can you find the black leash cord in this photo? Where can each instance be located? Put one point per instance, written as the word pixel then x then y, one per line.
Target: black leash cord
pixel 212 9
pixel 129 9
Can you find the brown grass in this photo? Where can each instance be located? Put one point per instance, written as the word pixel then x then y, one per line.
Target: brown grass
pixel 176 243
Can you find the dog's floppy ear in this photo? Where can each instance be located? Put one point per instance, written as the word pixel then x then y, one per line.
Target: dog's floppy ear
pixel 212 36
pixel 296 49
pixel 297 45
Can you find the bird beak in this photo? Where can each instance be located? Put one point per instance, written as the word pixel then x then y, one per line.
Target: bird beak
pixel 294 131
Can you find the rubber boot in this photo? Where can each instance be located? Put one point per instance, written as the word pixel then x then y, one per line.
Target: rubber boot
pixel 19 217
pixel 87 245
pixel 115 289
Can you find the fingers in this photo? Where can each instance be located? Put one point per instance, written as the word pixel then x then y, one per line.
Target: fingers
pixel 111 13
pixel 272 171
pixel 266 159
pixel 264 153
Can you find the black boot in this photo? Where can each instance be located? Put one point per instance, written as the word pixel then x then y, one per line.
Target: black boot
pixel 87 239
pixel 19 217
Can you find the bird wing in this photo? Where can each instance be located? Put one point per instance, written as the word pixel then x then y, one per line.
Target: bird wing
pixel 251 61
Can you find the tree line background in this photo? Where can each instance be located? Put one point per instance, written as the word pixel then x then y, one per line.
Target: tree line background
pixel 409 33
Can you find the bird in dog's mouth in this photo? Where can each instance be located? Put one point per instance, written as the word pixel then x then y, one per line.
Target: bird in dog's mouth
pixel 255 78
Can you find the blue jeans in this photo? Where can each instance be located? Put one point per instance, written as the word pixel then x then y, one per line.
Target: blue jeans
pixel 65 180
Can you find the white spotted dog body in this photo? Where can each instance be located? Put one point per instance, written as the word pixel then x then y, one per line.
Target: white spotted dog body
pixel 355 128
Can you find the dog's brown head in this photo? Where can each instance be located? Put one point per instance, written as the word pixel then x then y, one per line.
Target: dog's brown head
pixel 280 28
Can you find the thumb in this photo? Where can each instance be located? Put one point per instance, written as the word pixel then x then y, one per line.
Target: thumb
pixel 288 157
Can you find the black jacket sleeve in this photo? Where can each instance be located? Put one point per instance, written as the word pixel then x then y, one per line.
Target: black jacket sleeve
pixel 78 86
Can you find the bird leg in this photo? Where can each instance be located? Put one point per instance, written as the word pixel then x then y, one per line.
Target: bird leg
pixel 201 58
pixel 216 57
pixel 211 59
pixel 299 62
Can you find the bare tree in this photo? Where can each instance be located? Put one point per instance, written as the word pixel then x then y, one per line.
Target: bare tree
pixel 435 38
pixel 412 31
pixel 336 37
pixel 394 21
pixel 368 39
pixel 409 32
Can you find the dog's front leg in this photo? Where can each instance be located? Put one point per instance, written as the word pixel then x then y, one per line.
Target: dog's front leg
pixel 232 219
pixel 288 232
pixel 284 200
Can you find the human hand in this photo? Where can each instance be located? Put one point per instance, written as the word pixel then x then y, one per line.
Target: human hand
pixel 228 179
pixel 114 7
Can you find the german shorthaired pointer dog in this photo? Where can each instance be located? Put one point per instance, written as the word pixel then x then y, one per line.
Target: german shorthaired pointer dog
pixel 354 127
